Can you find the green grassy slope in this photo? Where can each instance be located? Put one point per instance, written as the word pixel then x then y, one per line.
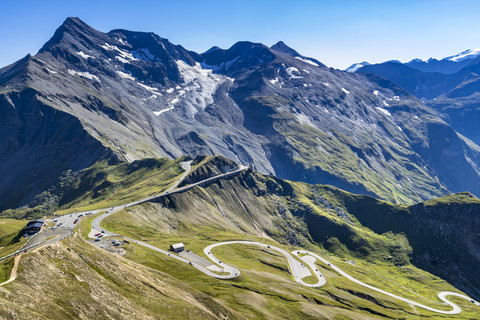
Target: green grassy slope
pixel 75 280
pixel 323 219
pixel 382 244
pixel 10 240
pixel 104 185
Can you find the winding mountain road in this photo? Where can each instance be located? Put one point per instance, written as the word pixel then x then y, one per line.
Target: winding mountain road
pixel 310 258
pixel 299 270
pixel 301 263
pixel 96 228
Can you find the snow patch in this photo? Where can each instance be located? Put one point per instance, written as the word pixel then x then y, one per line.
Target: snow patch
pixel 125 75
pixel 157 113
pixel 386 104
pixel 291 70
pixel 384 111
pixel 467 54
pixel 51 71
pixel 151 89
pixel 345 90
pixel 326 84
pixel 170 90
pixel 83 74
pixel 375 92
pixel 121 41
pixel 416 117
pixel 399 128
pixel 199 86
pixel 356 66
pixel 83 55
pixel 396 98
pixel 273 81
pixel 307 61
pixel 109 47
pixel 124 56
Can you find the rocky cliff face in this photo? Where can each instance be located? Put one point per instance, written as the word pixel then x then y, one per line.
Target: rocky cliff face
pixel 139 96
pixel 38 144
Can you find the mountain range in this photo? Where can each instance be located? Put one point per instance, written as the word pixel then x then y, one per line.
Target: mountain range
pixel 450 86
pixel 88 96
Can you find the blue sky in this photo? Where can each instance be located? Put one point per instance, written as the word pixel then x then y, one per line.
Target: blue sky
pixel 338 33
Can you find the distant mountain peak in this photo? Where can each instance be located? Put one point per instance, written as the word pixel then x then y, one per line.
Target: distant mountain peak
pixel 354 67
pixel 465 55
pixel 282 47
pixel 212 49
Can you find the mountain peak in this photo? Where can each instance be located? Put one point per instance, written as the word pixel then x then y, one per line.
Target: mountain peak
pixel 73 21
pixel 212 49
pixel 282 47
pixel 354 67
pixel 73 26
pixel 465 55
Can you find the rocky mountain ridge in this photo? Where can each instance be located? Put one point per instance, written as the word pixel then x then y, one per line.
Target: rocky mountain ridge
pixel 453 93
pixel 136 95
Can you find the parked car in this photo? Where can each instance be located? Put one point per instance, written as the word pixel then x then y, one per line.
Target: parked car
pixel 97 234
pixel 98 239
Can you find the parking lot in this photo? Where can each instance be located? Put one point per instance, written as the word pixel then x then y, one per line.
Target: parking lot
pixel 112 244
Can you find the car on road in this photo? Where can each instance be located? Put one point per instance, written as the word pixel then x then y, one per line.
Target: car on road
pixel 97 234
pixel 75 222
pixel 97 239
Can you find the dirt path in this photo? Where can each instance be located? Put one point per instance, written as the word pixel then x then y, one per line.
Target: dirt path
pixel 13 274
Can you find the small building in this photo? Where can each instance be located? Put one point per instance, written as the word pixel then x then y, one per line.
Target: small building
pixel 34 226
pixel 177 247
